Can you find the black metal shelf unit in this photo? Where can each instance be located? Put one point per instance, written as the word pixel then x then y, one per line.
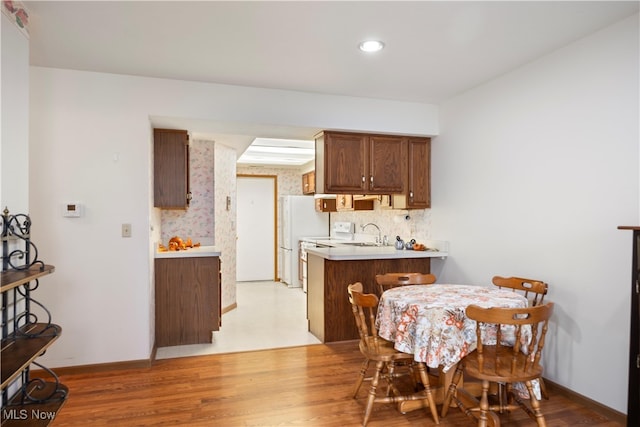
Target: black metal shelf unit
pixel 26 400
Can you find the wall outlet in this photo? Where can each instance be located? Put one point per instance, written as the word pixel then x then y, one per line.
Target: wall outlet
pixel 126 230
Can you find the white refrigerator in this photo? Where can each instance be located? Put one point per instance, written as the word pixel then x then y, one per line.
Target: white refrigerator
pixel 298 218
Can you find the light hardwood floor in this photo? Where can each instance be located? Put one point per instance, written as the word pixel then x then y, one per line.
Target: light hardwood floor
pixel 268 315
pixel 297 386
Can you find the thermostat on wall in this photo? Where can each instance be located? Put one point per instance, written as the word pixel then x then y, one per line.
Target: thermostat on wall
pixel 72 209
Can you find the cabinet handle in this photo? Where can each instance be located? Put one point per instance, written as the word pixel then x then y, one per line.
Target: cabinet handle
pixel 371 182
pixel 411 194
pixel 189 196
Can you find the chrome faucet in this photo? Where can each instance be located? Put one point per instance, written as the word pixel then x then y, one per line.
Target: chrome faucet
pixel 379 238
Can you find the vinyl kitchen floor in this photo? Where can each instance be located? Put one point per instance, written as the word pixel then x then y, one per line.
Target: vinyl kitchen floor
pixel 269 315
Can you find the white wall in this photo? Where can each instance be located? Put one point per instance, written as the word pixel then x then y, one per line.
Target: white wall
pixel 14 120
pixel 90 142
pixel 532 173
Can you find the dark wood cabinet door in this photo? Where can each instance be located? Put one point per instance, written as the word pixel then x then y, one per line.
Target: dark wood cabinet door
pixel 345 168
pixel 171 168
pixel 387 164
pixel 187 302
pixel 419 185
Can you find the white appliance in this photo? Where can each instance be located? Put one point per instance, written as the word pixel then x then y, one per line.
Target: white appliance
pixel 298 218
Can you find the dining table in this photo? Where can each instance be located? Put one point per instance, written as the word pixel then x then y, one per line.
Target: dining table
pixel 429 321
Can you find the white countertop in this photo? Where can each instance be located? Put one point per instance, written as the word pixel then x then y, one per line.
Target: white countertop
pixel 347 253
pixel 201 251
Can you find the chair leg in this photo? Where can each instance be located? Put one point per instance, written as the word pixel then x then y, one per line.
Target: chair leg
pixel 543 389
pixel 457 375
pixel 391 372
pixel 427 389
pixel 484 405
pixel 372 392
pixel 535 405
pixel 501 396
pixel 363 374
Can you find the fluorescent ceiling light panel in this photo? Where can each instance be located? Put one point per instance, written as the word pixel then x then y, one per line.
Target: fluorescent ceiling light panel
pixel 288 152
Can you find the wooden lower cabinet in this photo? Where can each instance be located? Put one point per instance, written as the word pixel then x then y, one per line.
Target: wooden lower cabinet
pixel 188 305
pixel 328 308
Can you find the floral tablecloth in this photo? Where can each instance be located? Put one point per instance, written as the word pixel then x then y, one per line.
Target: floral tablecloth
pixel 429 321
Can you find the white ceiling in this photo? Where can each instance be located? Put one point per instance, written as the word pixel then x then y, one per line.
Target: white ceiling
pixel 434 50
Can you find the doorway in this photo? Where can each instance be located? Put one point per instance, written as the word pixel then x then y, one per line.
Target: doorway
pixel 256 246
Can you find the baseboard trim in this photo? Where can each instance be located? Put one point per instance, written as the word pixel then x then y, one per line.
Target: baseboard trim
pixel 230 307
pixel 154 352
pixel 603 410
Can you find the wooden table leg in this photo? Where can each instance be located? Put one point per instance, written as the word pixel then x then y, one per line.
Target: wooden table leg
pixel 439 387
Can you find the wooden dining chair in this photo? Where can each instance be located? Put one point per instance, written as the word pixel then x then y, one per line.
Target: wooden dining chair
pixel 392 280
pixel 534 291
pixel 376 349
pixel 495 361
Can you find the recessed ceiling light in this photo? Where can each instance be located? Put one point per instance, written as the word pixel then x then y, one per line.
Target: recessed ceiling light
pixel 371 46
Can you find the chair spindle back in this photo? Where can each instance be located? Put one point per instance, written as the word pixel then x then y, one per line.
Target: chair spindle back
pixel 534 290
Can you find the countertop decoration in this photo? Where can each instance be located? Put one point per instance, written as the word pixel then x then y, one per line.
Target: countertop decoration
pixel 179 248
pixel 177 244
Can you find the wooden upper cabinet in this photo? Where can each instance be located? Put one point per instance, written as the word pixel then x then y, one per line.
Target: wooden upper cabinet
pixel 355 163
pixel 387 164
pixel 309 183
pixel 419 184
pixel 345 166
pixel 171 169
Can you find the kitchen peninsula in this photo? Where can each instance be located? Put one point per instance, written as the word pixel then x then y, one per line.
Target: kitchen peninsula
pixel 331 270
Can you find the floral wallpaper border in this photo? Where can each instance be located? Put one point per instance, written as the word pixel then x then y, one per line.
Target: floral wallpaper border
pixel 18 14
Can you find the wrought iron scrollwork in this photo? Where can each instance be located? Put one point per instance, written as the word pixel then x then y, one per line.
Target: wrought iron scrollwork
pixel 39 390
pixel 18 228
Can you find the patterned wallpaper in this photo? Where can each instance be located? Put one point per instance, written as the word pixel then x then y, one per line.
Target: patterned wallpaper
pixel 392 222
pixel 18 14
pixel 289 180
pixel 225 219
pixel 197 221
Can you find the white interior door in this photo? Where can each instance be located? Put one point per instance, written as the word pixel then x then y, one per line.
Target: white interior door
pixel 256 228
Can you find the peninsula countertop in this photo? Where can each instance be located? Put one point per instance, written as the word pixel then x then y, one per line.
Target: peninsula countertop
pixel 353 252
pixel 200 251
